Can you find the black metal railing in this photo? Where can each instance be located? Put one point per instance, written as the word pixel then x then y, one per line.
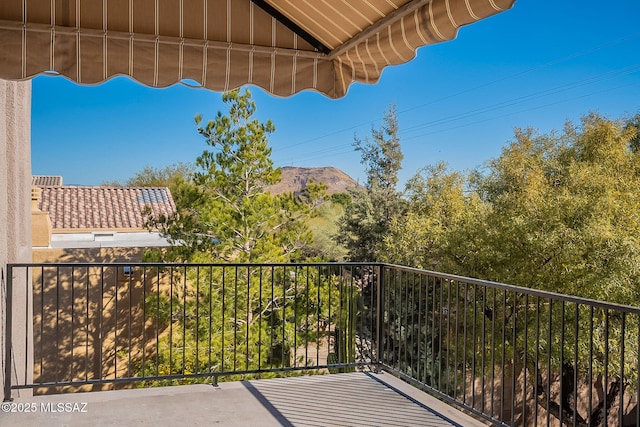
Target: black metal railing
pixel 512 356
pixel 96 325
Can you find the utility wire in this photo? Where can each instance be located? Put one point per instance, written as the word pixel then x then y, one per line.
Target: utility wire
pixel 341 149
pixel 523 111
pixel 530 97
pixel 474 88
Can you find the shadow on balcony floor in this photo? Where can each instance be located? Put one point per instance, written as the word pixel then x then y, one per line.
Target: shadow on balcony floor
pixel 354 399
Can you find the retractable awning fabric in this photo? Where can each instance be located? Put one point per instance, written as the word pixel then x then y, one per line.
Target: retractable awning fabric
pixel 283 46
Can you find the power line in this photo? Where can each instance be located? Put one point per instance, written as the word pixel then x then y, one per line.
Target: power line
pixel 477 87
pixel 523 111
pixel 340 149
pixel 530 97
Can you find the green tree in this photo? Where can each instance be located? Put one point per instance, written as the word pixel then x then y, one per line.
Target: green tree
pixel 259 314
pixel 367 218
pixel 558 212
pixel 230 215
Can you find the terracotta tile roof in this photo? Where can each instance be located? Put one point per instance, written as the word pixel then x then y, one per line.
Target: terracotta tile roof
pixel 103 208
pixel 44 180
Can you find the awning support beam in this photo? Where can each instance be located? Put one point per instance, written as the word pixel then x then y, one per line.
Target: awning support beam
pixel 292 26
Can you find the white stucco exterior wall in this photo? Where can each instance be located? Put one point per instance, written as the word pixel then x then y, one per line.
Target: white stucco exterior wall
pixel 15 221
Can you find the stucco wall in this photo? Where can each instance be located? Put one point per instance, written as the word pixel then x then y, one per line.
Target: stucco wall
pixel 15 216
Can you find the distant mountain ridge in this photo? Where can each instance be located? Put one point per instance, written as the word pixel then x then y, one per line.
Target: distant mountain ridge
pixel 294 179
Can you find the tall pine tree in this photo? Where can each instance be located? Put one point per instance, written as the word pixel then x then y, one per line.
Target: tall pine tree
pixel 367 219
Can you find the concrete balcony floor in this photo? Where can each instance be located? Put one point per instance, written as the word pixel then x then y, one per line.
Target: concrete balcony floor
pixel 353 399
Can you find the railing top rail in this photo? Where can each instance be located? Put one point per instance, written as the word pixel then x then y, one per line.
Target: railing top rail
pixel 528 291
pixel 187 264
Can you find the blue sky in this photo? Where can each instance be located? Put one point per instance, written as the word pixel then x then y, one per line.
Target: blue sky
pixel 537 65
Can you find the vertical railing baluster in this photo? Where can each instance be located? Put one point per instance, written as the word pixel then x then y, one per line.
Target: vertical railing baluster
pixel 271 317
pixel 402 302
pixel 493 350
pixel 330 323
pixel 353 321
pixel 130 322
pixel 575 366
pixel 504 356
pixel 184 320
pixel 455 392
pixel 562 392
pixel 339 330
pixel 448 334
pixel 474 347
pixel 514 352
pixel 259 320
pixel 248 319
pixel 433 334
pixel 224 312
pixel 235 319
pixel 622 349
pixel 115 329
pixel 373 295
pixel 196 368
pixel 524 359
pixel 157 322
pixel 606 366
pixel 418 371
pixel 464 343
pixel 57 356
pixel 284 316
pixel 306 317
pixel 144 318
pixel 28 322
pixel 388 356
pixel 8 334
pixel 590 404
pixel 380 318
pixel 42 296
pixel 170 320
pixel 86 327
pixel 440 333
pixel 295 316
pixel 101 329
pixel 483 346
pixel 536 391
pixel 549 362
pixel 72 333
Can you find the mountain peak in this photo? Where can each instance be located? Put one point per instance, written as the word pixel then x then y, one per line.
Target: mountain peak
pixel 295 179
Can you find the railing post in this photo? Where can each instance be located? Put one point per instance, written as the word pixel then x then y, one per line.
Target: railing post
pixel 7 334
pixel 379 316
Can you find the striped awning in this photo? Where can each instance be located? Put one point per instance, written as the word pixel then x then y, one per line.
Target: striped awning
pixel 283 46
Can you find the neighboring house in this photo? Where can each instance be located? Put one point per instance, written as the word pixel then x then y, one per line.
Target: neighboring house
pixel 97 217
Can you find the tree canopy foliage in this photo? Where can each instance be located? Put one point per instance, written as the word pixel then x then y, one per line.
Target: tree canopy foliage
pixel 559 212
